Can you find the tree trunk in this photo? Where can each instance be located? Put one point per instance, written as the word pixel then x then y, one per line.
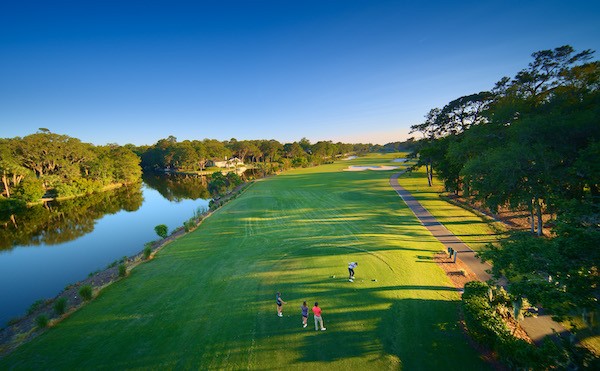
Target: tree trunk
pixel 538 209
pixel 532 217
pixel 5 182
pixel 429 171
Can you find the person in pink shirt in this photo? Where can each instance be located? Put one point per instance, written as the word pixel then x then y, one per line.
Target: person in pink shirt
pixel 318 319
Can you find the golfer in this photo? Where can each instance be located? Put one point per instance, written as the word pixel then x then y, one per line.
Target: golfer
pixel 318 320
pixel 280 303
pixel 351 267
pixel 304 309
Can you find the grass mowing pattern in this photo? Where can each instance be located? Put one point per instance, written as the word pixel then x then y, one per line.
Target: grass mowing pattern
pixel 208 300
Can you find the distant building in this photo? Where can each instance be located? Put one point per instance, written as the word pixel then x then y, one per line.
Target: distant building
pixel 227 163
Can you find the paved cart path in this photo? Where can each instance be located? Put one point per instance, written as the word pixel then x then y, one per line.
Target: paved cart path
pixel 536 327
pixel 439 231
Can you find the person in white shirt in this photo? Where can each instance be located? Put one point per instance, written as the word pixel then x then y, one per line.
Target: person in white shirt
pixel 351 267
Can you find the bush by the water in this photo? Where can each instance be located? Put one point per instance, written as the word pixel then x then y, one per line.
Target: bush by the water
pixel 77 187
pixel 9 206
pixel 30 189
pixel 147 252
pixel 162 230
pixel 60 305
pixel 122 270
pixel 86 292
pixel 41 321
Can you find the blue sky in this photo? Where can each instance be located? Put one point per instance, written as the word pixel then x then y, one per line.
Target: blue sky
pixel 351 71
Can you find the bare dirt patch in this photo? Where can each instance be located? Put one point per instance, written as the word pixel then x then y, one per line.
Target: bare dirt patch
pixel 512 219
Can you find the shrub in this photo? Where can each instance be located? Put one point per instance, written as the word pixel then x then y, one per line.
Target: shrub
pixel 480 305
pixel 30 189
pixel 11 205
pixel 60 305
pixel 162 230
pixel 147 252
pixel 65 190
pixel 86 292
pixel 200 210
pixel 41 321
pixel 122 270
pixel 233 179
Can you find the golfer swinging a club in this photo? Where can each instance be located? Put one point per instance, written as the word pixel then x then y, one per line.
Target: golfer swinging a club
pixel 351 267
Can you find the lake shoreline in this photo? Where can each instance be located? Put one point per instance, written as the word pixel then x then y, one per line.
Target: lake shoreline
pixel 25 328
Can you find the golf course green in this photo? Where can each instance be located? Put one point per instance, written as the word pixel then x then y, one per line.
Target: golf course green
pixel 207 300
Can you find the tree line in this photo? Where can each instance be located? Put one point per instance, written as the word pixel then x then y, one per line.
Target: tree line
pixel 46 164
pixel 196 155
pixel 532 142
pixel 57 165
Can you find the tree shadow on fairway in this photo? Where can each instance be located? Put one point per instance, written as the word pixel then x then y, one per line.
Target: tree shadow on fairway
pixel 412 334
pixel 423 334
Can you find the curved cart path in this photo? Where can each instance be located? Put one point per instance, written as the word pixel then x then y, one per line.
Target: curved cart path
pixel 439 231
pixel 536 327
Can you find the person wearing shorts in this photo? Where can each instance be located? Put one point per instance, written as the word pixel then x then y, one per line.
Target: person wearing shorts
pixel 279 301
pixel 304 309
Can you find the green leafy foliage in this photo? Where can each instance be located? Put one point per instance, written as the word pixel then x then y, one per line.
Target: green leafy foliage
pixel 147 252
pixel 45 162
pixel 162 230
pixel 484 323
pixel 122 270
pixel 561 272
pixel 10 206
pixel 218 184
pixel 30 189
pixel 86 292
pixel 41 321
pixel 60 305
pixel 531 144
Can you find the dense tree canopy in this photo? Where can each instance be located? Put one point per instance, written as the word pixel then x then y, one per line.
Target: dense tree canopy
pixel 168 154
pixel 531 142
pixel 58 165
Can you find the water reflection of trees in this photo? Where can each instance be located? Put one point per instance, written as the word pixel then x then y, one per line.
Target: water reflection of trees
pixel 175 187
pixel 62 221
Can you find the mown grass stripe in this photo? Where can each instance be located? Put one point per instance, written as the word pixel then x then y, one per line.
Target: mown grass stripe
pixel 208 299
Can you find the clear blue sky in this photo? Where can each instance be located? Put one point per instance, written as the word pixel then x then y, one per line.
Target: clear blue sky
pixel 122 72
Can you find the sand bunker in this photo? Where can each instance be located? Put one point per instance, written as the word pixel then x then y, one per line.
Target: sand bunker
pixel 376 168
pixel 400 160
pixel 349 158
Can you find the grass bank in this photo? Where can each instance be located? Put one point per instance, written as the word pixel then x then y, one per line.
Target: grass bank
pixel 207 300
pixel 473 230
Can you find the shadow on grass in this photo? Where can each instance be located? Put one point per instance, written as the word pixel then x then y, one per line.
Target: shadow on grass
pixel 412 334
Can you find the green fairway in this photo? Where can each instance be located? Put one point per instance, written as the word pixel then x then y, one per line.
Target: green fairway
pixel 207 301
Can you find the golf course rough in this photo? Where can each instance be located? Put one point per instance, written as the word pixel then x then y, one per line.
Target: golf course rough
pixel 207 300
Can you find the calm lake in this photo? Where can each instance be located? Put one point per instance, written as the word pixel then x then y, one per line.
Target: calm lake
pixel 49 247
